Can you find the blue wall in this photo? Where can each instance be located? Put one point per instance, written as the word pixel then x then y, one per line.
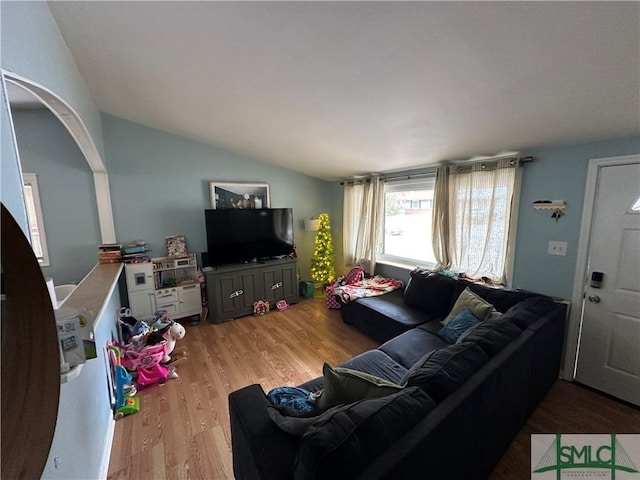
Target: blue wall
pixel 159 186
pixel 11 179
pixel 67 193
pixel 556 174
pixel 32 47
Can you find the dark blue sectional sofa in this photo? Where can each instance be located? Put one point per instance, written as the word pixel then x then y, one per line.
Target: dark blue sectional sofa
pixel 460 406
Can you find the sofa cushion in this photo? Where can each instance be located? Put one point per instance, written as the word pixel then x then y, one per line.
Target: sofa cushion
pixel 293 421
pixel 501 298
pixel 476 304
pixel 411 346
pixel 378 363
pixel 374 362
pixel 442 372
pixel 346 439
pixel 385 316
pixel 454 329
pixel 429 291
pixel 529 311
pixel 343 385
pixel 493 334
pixel 467 332
pixel 288 421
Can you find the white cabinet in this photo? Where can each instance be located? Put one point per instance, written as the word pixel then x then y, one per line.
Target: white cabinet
pixel 142 304
pixel 190 300
pixel 165 283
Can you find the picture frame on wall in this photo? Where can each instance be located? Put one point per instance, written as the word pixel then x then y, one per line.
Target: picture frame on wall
pixel 239 195
pixel 176 245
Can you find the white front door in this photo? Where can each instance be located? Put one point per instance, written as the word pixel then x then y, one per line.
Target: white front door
pixel 609 343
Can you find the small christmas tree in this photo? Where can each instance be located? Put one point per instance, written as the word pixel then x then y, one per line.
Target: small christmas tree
pixel 322 269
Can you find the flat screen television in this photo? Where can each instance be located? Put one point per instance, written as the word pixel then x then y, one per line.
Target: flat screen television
pixel 246 235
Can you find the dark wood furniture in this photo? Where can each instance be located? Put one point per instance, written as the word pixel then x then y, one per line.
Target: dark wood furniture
pixel 232 289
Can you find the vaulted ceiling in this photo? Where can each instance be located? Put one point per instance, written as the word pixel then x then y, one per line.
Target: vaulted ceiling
pixel 333 89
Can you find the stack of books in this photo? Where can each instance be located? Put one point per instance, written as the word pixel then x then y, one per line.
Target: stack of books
pixel 110 253
pixel 135 252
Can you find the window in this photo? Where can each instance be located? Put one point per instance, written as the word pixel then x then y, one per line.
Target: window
pixel 34 217
pixel 408 206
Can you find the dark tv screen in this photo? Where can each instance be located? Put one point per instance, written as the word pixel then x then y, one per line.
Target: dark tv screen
pixel 245 235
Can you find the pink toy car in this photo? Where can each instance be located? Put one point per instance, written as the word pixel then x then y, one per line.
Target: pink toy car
pixel 147 363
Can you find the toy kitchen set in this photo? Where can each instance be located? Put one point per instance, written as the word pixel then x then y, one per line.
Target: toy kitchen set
pixel 164 283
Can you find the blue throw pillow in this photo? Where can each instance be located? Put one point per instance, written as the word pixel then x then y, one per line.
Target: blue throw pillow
pixel 457 326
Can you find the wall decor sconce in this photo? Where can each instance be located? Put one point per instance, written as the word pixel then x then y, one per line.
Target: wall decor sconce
pixel 312 224
pixel 557 206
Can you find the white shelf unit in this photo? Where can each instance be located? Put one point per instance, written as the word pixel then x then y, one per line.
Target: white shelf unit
pixel 175 271
pixel 557 207
pixel 554 205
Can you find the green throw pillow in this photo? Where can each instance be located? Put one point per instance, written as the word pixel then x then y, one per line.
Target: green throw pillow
pixel 467 299
pixel 343 385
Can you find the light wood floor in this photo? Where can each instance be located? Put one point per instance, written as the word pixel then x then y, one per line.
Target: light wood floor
pixel 182 430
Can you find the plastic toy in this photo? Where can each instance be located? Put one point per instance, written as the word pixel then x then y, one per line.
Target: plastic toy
pixel 129 326
pixel 260 307
pixel 281 305
pixel 125 402
pixel 161 320
pixel 156 374
pixel 172 334
pixel 146 363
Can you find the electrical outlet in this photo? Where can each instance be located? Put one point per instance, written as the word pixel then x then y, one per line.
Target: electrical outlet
pixel 557 248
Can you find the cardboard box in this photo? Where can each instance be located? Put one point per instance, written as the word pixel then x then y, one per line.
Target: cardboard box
pixel 75 335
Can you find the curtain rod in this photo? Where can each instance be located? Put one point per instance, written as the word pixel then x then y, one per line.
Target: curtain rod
pixel 360 181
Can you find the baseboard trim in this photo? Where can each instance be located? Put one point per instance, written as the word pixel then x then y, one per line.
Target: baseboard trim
pixel 106 453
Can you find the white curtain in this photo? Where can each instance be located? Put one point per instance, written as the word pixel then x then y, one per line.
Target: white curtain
pixel 440 237
pixel 479 207
pixel 363 213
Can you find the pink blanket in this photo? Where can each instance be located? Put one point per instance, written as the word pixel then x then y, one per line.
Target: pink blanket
pixel 369 287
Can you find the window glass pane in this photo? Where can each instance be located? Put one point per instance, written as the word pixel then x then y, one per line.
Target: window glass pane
pixel 33 222
pixel 34 218
pixel 407 220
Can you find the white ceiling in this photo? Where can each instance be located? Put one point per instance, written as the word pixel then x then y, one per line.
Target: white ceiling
pixel 333 89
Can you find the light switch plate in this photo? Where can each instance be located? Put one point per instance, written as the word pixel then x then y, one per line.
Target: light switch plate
pixel 557 248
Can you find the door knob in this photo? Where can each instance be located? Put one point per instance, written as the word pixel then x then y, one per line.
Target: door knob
pixel 594 298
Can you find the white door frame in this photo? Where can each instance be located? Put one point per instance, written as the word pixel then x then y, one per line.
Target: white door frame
pixel 79 132
pixel 580 279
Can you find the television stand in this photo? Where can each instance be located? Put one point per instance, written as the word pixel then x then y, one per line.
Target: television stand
pixel 232 289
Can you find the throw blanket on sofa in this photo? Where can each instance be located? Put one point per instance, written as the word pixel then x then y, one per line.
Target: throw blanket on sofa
pixel 369 287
